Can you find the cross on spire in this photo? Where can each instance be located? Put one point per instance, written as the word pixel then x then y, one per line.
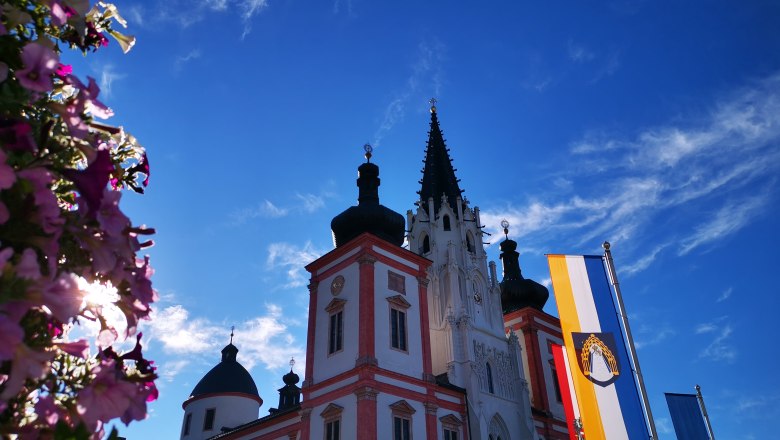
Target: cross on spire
pixel 433 105
pixel 232 328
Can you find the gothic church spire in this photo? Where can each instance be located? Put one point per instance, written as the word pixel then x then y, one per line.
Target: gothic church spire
pixel 438 173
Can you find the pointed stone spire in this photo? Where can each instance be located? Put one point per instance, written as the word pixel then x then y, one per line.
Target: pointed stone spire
pixel 438 174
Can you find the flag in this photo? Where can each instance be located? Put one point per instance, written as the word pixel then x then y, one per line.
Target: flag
pixel 687 417
pixel 609 403
pixel 563 372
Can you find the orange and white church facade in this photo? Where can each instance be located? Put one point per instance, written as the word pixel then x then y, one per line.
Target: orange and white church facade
pixel 417 343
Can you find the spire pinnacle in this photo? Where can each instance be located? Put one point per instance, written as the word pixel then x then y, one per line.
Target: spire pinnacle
pixel 438 174
pixel 232 329
pixel 368 149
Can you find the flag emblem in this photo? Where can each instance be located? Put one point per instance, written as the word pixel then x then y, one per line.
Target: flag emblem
pixel 596 357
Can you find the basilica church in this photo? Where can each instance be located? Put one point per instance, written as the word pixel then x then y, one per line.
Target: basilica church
pixel 417 342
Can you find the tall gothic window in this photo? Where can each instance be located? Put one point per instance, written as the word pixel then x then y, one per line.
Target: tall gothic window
pixel 426 246
pixel 469 242
pixel 489 373
pixel 446 222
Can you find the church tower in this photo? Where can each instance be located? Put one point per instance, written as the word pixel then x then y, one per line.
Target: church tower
pixel 469 346
pixel 368 360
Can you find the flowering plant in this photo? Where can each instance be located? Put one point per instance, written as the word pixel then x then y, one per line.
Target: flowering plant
pixel 67 252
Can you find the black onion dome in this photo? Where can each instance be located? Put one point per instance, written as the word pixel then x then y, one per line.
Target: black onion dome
pixel 368 215
pixel 290 378
pixel 516 291
pixel 227 376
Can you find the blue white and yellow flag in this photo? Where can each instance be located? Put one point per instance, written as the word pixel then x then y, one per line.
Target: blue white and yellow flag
pixel 606 391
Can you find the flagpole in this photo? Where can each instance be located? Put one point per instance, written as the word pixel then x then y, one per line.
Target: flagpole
pixel 704 411
pixel 631 349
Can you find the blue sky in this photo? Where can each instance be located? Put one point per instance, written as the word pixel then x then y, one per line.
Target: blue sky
pixel 652 124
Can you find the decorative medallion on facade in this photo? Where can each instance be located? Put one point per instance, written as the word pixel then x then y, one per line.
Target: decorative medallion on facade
pixel 337 285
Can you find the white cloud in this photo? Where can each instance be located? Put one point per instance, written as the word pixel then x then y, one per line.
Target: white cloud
pixel 720 349
pixel 664 425
pixel 292 259
pixel 725 295
pixel 688 184
pixel 728 220
pixel 651 335
pixel 267 340
pixel 179 333
pixel 266 209
pixel 179 62
pixel 107 77
pixel 263 340
pixel 311 202
pixel 250 8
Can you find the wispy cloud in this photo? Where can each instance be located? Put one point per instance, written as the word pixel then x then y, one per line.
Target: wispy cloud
pixel 664 425
pixel 728 220
pixel 108 75
pixel 265 209
pixel 579 53
pixel 311 202
pixel 186 13
pixel 725 295
pixel 305 203
pixel 343 5
pixel 181 60
pixel 685 186
pixel 292 259
pixel 720 348
pixel 656 333
pixel 250 8
pixel 426 76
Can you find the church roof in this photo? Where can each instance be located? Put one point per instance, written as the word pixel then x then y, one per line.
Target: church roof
pixel 228 376
pixel 438 173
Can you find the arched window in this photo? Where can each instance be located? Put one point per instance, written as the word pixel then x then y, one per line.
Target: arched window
pixel 446 222
pixel 426 246
pixel 489 372
pixel 469 242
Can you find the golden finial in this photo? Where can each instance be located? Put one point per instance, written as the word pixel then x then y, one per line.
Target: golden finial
pixel 433 105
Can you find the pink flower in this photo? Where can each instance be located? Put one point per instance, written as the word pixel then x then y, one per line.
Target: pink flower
pixel 39 63
pixel 64 70
pixel 106 397
pixel 78 348
pixel 92 181
pixel 28 265
pixel 63 297
pixel 47 410
pixel 111 219
pixel 58 14
pixel 11 335
pixel 48 211
pixel 26 363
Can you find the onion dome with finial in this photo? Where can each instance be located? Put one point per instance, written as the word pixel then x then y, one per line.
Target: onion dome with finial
pixel 518 292
pixel 228 376
pixel 368 216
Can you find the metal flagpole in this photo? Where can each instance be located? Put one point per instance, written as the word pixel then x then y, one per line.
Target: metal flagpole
pixel 704 411
pixel 631 349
